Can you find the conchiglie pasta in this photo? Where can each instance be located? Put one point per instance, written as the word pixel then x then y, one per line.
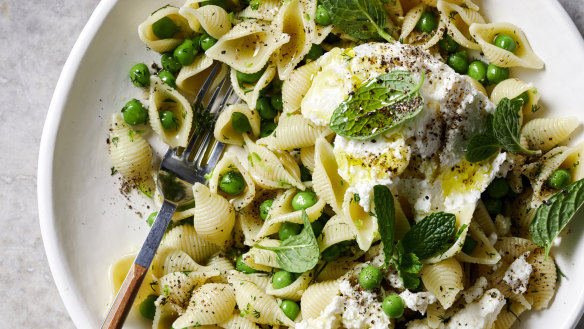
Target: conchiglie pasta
pixel 262 280
pixel 483 219
pixel 360 221
pixel 248 46
pixel 512 248
pixel 257 306
pixel 523 55
pixel 212 19
pixel 508 316
pixel 224 131
pixel 326 180
pixel 542 282
pixel 266 169
pixel 484 252
pixel 250 221
pixel 336 230
pixel 211 303
pixel 413 37
pixel 458 19
pixel 316 298
pixel 514 87
pixel 262 259
pixel 229 163
pixel 294 20
pixel 469 4
pixel 443 280
pixel 235 321
pixel 296 86
pixel 214 215
pixel 183 30
pixel 190 78
pixel 177 286
pixel 164 315
pixel 295 290
pixel 307 157
pixel 170 260
pixel 165 98
pixel 336 269
pixel 545 133
pixel 292 132
pixel 250 92
pixel 185 238
pixel 266 11
pixel 130 154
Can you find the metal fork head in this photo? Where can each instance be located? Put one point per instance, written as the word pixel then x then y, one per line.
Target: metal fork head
pixel 182 167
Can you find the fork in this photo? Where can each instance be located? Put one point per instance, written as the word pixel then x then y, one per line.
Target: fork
pixel 176 177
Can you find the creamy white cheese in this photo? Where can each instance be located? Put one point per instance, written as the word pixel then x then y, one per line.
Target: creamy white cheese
pixel 476 290
pixel 480 314
pixel 330 318
pixel 417 301
pixel 362 309
pixel 503 224
pixel 517 275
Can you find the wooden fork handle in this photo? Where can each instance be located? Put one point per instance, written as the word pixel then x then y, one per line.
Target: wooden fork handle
pixel 125 298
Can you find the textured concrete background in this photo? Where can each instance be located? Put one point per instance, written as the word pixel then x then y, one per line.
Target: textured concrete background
pixel 35 40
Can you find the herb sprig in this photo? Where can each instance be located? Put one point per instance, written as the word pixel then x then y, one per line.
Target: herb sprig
pixel 426 238
pixel 503 130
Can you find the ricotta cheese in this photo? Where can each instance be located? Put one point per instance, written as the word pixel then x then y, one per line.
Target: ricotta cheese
pixel 517 275
pixel 362 309
pixel 417 301
pixel 480 314
pixel 476 290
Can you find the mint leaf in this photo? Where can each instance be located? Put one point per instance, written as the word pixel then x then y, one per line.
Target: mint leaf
pixel 428 236
pixel 481 147
pixel 553 215
pixel 407 266
pixel 298 253
pixel 507 126
pixel 385 212
pixel 362 19
pixel 379 105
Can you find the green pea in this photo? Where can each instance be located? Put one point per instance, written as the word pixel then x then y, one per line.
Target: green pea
pixel 303 200
pixel 164 28
pixel 220 3
pixel 497 74
pixel 332 253
pixel 458 62
pixel 370 277
pixel 524 97
pixel 288 229
pixel 505 41
pixel 290 308
pixel 185 53
pixel 168 120
pixel 305 174
pixel 267 128
pixel 151 218
pixel 317 227
pixel 448 44
pixel 469 245
pixel 140 75
pixel 167 78
pixel 282 279
pixel 393 306
pixel 498 188
pixel 427 23
pixel 276 101
pixel 169 63
pixel 197 43
pixel 232 182
pixel 134 112
pixel 207 41
pixel 240 122
pixel 265 208
pixel 315 52
pixel 559 179
pixel 243 267
pixel 322 16
pixel 265 109
pixel 249 77
pixel 478 71
pixel 494 206
pixel 147 307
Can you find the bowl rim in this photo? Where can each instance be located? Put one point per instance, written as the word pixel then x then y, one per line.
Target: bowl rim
pixel 70 297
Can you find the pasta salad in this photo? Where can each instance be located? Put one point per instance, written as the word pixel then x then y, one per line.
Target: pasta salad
pixel 383 168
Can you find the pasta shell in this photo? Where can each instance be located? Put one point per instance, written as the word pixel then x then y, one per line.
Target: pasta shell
pixel 224 131
pixel 212 19
pixel 360 221
pixel 294 131
pixel 296 86
pixel 443 280
pixel 235 321
pixel 484 252
pixel 295 290
pixel 307 157
pixel 523 56
pixel 267 11
pixel 458 20
pixel 336 230
pixel 163 45
pixel 185 238
pixel 316 298
pixel 251 92
pixel 327 182
pixel 190 78
pixel 211 303
pixel 545 133
pixel 165 98
pixel 214 215
pixel 130 154
pixel 229 162
pixel 542 282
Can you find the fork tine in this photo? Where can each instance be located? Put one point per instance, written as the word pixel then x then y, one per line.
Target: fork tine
pixel 214 158
pixel 207 84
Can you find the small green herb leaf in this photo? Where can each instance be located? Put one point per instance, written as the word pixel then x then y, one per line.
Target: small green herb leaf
pixel 379 105
pixel 481 147
pixel 507 126
pixel 298 253
pixel 407 266
pixel 385 212
pixel 428 236
pixel 553 215
pixel 362 19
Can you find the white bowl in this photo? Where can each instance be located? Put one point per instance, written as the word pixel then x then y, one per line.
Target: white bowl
pixel 86 223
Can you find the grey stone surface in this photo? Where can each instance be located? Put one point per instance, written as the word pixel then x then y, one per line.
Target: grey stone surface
pixel 35 40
